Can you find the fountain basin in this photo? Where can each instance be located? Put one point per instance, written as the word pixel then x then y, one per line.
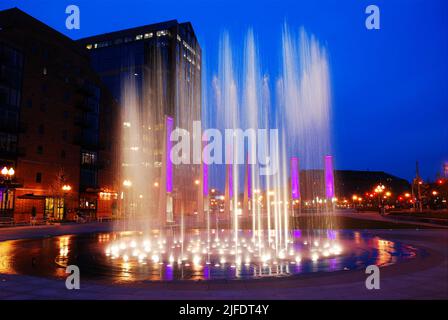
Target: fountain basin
pixel 198 255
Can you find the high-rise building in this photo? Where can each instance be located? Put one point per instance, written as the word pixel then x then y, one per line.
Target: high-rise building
pixel 156 68
pixel 55 122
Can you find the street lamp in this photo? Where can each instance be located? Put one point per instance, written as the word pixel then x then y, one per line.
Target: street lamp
pixel 379 190
pixel 7 175
pixel 65 188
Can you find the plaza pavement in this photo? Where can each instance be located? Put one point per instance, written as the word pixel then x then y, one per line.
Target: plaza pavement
pixel 423 277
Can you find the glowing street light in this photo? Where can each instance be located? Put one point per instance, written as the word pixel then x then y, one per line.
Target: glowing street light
pixel 66 188
pixel 8 172
pixel 127 183
pixel 380 188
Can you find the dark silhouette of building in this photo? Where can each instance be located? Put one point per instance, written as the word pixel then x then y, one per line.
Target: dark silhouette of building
pixel 55 120
pixel 351 182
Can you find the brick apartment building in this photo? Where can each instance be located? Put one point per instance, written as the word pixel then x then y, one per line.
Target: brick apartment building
pixel 56 125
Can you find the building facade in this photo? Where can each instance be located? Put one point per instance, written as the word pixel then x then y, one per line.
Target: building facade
pixel 55 120
pixel 158 68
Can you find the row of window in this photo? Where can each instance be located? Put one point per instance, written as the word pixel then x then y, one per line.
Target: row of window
pixel 103 44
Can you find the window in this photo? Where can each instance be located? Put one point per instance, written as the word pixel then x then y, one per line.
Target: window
pixel 8 142
pixel 88 178
pixel 9 96
pixel 39 177
pixel 54 208
pixel 88 157
pixel 162 33
pixel 40 149
pixel 85 203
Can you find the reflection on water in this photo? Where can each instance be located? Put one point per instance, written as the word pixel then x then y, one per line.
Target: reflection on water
pixel 6 255
pixel 131 256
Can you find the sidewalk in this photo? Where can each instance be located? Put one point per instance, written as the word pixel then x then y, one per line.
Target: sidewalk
pixel 375 216
pixel 26 232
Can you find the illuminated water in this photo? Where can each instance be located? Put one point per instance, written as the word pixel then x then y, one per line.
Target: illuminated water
pixel 124 257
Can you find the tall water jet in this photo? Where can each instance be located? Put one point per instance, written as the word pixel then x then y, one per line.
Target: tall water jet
pixel 305 94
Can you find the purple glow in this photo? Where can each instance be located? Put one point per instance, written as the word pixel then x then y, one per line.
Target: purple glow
pixel 169 164
pixel 249 177
pixel 229 172
pixel 169 273
pixel 205 179
pixel 295 183
pixel 331 234
pixel 207 272
pixel 329 177
pixel 297 233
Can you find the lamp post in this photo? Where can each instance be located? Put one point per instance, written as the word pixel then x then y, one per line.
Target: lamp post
pixel 379 190
pixel 7 174
pixel 65 189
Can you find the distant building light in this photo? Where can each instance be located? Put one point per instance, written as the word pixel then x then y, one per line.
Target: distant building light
pixel 148 35
pixel 89 46
pixel 139 37
pixel 163 33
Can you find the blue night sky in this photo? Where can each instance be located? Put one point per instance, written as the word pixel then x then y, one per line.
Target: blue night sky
pixel 389 86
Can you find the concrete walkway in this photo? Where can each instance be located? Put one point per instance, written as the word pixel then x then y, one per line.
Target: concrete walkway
pixel 28 232
pixel 375 216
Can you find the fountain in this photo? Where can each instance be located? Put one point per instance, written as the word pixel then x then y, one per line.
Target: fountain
pixel 262 226
pixel 167 230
